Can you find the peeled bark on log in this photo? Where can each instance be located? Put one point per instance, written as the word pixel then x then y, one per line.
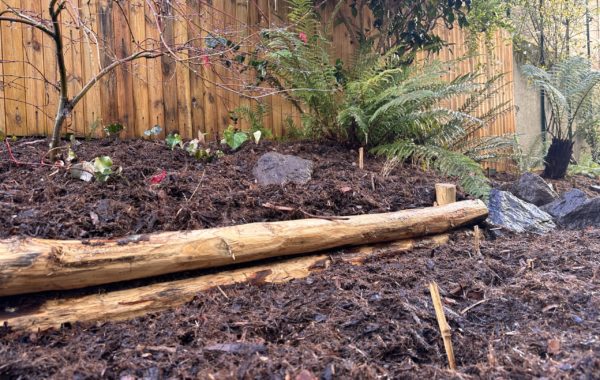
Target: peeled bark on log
pixel 130 303
pixel 34 265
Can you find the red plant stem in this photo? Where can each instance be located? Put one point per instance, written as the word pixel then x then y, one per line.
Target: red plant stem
pixel 17 162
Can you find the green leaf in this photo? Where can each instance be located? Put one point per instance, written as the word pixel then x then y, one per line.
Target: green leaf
pixel 173 140
pixel 103 168
pixel 114 129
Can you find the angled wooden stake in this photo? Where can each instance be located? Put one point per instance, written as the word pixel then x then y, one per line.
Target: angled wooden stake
pixel 444 327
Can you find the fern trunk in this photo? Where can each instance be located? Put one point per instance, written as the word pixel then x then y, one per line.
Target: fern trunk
pixel 558 158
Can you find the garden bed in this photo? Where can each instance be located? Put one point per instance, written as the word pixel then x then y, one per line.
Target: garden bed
pixel 193 195
pixel 526 309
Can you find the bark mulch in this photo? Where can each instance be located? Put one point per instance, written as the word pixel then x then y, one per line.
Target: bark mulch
pixel 528 308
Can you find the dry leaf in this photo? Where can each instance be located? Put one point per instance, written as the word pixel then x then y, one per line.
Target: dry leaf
pixel 553 346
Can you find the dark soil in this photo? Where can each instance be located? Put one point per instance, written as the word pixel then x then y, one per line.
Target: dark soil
pixel 535 312
pixel 529 308
pixel 36 201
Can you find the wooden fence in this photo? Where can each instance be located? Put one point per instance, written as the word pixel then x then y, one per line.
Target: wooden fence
pixel 159 91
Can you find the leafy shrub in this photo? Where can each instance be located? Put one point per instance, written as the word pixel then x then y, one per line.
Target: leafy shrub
pixel 395 110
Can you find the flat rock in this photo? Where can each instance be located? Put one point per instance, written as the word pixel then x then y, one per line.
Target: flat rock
pixel 278 169
pixel 586 215
pixel 515 215
pixel 568 202
pixel 533 189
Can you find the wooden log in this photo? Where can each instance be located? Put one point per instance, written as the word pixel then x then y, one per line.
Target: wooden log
pixel 445 193
pixel 130 303
pixel 34 265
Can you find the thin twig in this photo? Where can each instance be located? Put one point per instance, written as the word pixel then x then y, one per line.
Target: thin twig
pixel 292 209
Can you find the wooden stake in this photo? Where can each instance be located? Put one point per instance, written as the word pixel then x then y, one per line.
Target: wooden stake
pixel 445 193
pixel 477 241
pixel 361 158
pixel 443 324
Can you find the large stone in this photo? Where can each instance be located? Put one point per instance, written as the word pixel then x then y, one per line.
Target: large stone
pixel 512 214
pixel 277 169
pixel 586 215
pixel 533 189
pixel 568 202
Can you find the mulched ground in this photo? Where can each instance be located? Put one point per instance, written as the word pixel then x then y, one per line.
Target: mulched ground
pixel 528 308
pixel 194 195
pixel 535 313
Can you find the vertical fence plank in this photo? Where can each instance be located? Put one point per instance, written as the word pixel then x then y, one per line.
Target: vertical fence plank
pixel 14 72
pixel 275 20
pixel 91 56
pixel 169 72
pixel 108 84
pixel 3 129
pixel 195 70
pixel 72 51
pixel 34 81
pixel 154 72
pixel 260 19
pixel 211 105
pixel 184 99
pixel 51 74
pixel 139 68
pixel 122 43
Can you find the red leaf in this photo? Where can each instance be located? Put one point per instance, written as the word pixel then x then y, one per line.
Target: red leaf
pixel 156 179
pixel 303 37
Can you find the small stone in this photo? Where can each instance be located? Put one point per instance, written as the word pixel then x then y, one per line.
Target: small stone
pixel 277 169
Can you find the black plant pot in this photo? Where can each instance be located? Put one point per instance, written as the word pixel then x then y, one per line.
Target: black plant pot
pixel 558 158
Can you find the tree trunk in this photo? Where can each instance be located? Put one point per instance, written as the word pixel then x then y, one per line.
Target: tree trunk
pixel 130 303
pixel 558 158
pixel 34 265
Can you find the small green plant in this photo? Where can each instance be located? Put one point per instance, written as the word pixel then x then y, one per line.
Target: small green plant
pixel 196 150
pixel 532 158
pixel 154 131
pixel 174 139
pixel 233 138
pixel 254 116
pixel 586 167
pixel 114 130
pixel 93 128
pixel 103 168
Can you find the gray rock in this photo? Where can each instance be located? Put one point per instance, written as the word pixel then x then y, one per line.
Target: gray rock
pixel 512 214
pixel 595 188
pixel 83 171
pixel 568 202
pixel 277 169
pixel 586 215
pixel 533 189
